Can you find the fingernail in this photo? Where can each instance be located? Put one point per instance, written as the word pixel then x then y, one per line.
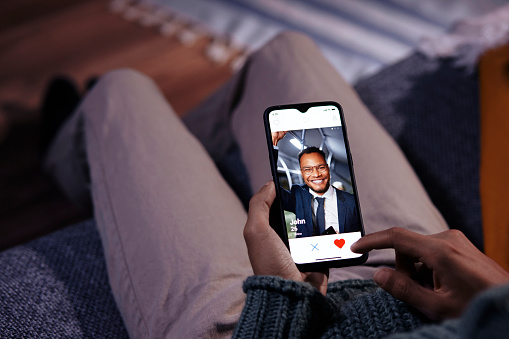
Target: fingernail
pixel 381 277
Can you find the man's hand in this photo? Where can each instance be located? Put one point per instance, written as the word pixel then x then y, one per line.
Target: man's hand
pixel 437 274
pixel 276 136
pixel 267 252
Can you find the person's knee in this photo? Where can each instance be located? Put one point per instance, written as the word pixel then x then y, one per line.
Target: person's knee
pixel 291 38
pixel 115 90
pixel 122 80
pixel 289 42
pixel 287 47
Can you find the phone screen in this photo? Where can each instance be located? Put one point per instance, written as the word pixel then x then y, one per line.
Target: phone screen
pixel 312 169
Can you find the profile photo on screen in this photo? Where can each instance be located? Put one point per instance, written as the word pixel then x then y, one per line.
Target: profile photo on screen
pixel 315 182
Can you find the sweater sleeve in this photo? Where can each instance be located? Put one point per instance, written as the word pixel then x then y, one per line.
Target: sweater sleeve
pixel 278 308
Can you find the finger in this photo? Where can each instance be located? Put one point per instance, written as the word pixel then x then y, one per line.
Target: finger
pixel 267 252
pixel 408 290
pixel 266 194
pixel 259 207
pixel 409 243
pixel 424 276
pixel 405 265
pixel 318 280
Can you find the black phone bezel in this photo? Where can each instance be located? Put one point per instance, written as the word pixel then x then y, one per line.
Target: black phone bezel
pixel 276 217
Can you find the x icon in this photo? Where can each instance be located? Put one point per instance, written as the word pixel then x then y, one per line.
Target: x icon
pixel 315 247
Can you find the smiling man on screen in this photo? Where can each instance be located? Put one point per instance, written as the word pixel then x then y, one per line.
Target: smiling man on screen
pixel 318 206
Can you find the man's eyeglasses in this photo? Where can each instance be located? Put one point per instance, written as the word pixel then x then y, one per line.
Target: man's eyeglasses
pixel 309 170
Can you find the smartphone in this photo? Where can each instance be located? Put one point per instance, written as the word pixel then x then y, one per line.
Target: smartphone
pixel 316 211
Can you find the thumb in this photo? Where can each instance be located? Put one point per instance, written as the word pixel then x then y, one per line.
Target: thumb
pixel 259 209
pixel 267 252
pixel 258 234
pixel 406 289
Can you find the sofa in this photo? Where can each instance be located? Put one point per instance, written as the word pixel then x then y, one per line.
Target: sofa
pixel 57 286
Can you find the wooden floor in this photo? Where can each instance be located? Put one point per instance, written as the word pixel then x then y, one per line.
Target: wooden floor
pixel 40 39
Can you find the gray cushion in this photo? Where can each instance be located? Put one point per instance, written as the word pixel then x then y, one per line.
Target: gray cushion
pixel 57 287
pixel 431 109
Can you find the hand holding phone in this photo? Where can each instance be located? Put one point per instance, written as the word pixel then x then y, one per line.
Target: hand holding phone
pixel 267 253
pixel 316 212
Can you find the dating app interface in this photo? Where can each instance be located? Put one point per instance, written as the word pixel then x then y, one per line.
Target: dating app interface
pixel 315 183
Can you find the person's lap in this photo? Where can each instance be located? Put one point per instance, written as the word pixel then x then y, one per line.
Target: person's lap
pixel 290 69
pixel 170 225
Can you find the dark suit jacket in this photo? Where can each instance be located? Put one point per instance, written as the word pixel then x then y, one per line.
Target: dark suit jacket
pixel 299 200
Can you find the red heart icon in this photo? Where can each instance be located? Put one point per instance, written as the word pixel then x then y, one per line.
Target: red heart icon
pixel 339 243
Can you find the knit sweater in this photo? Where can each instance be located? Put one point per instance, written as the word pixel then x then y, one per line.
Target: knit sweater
pixel 278 308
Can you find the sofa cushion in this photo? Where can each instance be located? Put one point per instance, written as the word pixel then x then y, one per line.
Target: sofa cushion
pixel 57 286
pixel 431 108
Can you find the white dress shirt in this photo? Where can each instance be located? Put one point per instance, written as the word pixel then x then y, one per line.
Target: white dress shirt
pixel 330 207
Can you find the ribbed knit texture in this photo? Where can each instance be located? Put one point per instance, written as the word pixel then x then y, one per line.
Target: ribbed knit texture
pixel 276 308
